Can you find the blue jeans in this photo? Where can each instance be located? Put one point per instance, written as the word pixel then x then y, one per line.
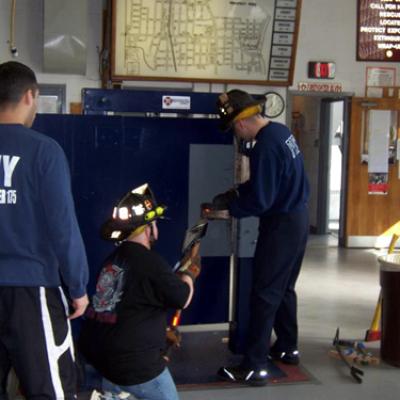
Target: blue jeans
pixel 162 387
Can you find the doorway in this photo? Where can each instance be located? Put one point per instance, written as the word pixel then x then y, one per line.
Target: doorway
pixel 319 122
pixel 335 162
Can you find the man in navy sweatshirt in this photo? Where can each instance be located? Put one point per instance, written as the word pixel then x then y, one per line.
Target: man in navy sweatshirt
pixel 41 248
pixel 276 192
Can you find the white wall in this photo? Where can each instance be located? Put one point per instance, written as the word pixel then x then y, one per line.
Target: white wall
pixel 327 33
pixel 29 42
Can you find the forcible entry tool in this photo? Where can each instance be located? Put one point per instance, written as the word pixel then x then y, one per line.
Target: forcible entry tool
pixel 355 372
pixel 190 250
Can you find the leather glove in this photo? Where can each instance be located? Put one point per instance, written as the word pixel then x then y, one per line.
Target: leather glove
pixel 174 337
pixel 221 201
pixel 173 340
pixel 191 267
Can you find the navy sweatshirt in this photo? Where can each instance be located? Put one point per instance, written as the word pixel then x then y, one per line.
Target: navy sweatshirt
pixel 278 183
pixel 40 241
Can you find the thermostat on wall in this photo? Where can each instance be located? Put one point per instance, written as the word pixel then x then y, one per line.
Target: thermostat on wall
pixel 321 70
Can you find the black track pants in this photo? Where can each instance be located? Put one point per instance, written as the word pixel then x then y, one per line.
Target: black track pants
pixel 35 339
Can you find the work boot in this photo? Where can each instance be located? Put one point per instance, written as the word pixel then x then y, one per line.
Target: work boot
pixel 239 374
pixel 289 357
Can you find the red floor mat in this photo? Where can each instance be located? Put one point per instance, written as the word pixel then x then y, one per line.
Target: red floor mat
pixel 195 364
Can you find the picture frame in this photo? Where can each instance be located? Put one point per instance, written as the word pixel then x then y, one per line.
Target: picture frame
pixel 52 98
pixel 227 42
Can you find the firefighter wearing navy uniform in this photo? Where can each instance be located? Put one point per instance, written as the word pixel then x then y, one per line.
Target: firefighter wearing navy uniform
pixel 277 193
pixel 42 255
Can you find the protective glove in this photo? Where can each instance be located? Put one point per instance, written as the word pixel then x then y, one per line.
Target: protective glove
pixel 191 267
pixel 174 337
pixel 173 340
pixel 223 200
pixel 209 212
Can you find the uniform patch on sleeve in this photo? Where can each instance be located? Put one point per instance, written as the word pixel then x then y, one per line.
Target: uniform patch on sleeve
pixel 292 145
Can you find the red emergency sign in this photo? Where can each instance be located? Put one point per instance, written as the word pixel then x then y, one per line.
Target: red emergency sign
pixel 321 70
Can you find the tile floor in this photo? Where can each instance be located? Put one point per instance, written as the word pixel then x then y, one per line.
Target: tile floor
pixel 337 288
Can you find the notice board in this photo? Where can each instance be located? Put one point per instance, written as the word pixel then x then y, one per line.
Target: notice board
pixel 205 40
pixel 378 30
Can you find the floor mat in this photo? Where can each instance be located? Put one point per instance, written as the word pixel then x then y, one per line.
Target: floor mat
pixel 194 365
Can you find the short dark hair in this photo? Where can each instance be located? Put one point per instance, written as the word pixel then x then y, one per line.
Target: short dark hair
pixel 15 80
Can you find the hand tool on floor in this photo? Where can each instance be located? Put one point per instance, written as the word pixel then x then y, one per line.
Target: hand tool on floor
pixel 355 372
pixel 356 353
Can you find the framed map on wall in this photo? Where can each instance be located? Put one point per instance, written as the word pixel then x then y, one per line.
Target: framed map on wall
pixel 205 40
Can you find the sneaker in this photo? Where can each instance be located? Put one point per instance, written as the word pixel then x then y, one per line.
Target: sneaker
pixel 290 357
pixel 254 377
pixel 96 395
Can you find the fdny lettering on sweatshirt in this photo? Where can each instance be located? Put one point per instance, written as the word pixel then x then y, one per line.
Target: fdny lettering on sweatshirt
pixel 8 164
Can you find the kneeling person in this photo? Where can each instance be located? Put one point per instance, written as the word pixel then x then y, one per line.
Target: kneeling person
pixel 124 334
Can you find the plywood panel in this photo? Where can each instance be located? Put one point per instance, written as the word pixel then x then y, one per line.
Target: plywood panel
pixel 369 215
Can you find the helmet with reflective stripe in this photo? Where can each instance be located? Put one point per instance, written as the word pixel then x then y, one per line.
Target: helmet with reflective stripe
pixel 137 208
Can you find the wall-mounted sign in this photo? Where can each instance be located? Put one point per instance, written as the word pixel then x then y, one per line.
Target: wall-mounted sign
pixel 176 102
pixel 321 70
pixel 213 40
pixel 378 183
pixel 380 81
pixel 319 87
pixel 380 76
pixel 378 30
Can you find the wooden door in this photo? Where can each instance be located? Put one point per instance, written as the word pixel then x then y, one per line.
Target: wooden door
pixel 368 216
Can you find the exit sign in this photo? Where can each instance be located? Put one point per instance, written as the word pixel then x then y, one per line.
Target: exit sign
pixel 321 70
pixel 378 30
